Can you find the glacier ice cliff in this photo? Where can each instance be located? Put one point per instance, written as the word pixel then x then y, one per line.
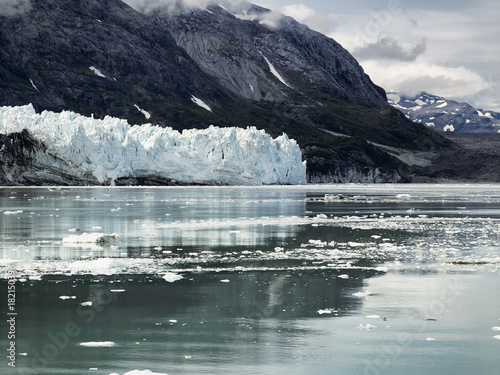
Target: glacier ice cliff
pixel 68 148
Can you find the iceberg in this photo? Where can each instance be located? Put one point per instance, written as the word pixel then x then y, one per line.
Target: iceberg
pixel 111 149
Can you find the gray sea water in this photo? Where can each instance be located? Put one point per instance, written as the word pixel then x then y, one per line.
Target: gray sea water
pixel 317 279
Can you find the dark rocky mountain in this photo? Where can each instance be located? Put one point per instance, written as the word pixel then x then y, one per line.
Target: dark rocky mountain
pixel 445 115
pixel 248 65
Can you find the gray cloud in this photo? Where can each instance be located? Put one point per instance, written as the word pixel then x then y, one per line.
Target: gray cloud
pixel 146 6
pixel 13 7
pixel 389 49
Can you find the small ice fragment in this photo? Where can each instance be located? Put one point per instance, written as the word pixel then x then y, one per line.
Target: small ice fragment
pixel 496 328
pixel 158 248
pixel 363 294
pixel 67 297
pixel 188 356
pixel 403 196
pixel 172 277
pixel 376 236
pixel 326 311
pixel 98 344
pixel 430 339
pixel 225 281
pixel 497 337
pixel 13 212
pixel 89 303
pixel 343 276
pixel 172 321
pixel 117 290
pixel 367 326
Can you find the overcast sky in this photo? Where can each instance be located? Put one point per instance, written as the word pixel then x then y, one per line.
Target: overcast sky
pixel 448 48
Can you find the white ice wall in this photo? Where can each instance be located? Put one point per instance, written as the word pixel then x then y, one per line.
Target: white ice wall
pixel 111 148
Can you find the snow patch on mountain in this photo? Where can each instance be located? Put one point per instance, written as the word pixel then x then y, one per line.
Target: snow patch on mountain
pixel 97 72
pixel 144 112
pixel 201 103
pixel 110 149
pixel 275 72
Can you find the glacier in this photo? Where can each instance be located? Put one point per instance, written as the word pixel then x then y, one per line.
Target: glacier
pixel 110 149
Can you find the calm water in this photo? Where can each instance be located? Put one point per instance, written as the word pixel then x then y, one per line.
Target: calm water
pixel 332 279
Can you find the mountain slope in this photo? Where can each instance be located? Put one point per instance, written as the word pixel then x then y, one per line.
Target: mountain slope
pixel 200 67
pixel 445 115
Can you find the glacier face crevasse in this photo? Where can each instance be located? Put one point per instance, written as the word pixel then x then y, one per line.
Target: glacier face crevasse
pixel 111 149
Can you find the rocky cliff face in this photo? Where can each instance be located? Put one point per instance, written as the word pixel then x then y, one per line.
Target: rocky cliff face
pixel 193 68
pixel 96 57
pixel 24 160
pixel 258 54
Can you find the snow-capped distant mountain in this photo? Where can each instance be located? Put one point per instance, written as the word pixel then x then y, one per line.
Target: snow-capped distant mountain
pixel 444 114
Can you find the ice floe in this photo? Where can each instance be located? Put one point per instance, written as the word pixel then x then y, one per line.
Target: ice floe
pixel 172 277
pixel 98 344
pixel 140 372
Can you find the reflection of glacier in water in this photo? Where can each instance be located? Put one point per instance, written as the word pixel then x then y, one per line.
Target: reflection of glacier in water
pixel 154 230
pixel 275 280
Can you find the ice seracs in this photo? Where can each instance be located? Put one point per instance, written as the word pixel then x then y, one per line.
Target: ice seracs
pixel 109 149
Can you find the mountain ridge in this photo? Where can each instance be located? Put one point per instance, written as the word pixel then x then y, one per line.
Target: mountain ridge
pixel 103 58
pixel 444 114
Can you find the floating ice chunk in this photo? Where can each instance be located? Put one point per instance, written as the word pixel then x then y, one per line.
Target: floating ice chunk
pixel 139 372
pixel 172 321
pixel 326 311
pixel 343 276
pixel 368 326
pixel 376 236
pixel 100 266
pixel 496 328
pixel 225 281
pixel 98 238
pixel 117 290
pixel 403 196
pixel 356 244
pixel 67 297
pixel 430 339
pixel 98 344
pixel 201 103
pixel 497 337
pixel 86 304
pixel 363 294
pixel 172 277
pixel 13 212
